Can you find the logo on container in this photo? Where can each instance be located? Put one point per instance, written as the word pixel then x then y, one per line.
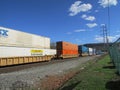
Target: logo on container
pixel 3 33
pixel 36 52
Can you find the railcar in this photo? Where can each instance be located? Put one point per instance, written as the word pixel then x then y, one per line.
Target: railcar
pixel 18 47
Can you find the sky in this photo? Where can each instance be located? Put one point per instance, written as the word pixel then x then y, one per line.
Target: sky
pixel 75 21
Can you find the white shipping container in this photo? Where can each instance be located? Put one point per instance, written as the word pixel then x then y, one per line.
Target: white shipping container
pixel 10 37
pixel 50 51
pixel 94 51
pixel 6 51
pixel 90 51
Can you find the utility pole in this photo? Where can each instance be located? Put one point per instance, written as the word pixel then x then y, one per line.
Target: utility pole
pixel 105 36
pixel 109 17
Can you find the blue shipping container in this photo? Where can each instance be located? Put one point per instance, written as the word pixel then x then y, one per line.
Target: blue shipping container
pixel 83 49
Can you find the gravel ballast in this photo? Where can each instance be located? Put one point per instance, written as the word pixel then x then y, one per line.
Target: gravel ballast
pixel 30 75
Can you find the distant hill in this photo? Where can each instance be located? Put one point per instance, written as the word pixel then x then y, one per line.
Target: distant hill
pixel 98 46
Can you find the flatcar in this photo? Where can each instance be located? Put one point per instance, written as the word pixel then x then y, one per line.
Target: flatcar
pixel 18 47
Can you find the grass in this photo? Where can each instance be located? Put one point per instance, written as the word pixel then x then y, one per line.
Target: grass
pixel 95 76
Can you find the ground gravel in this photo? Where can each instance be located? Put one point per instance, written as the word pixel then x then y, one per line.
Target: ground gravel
pixel 30 75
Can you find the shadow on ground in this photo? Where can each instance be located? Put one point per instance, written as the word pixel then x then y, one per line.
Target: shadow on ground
pixel 113 85
pixel 110 62
pixel 70 87
pixel 109 67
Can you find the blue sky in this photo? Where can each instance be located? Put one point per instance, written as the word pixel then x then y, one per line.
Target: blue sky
pixel 76 21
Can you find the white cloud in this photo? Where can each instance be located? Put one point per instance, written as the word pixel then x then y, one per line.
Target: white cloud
pixel 106 3
pixel 89 18
pixel 99 38
pixel 78 7
pixel 91 25
pixel 84 16
pixel 80 30
pixel 78 40
pixel 110 38
pixel 102 25
pixel 118 31
pixel 68 33
pixel 96 11
pixel 76 31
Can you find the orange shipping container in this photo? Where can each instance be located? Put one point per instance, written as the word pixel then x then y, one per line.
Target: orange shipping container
pixel 67 52
pixel 66 48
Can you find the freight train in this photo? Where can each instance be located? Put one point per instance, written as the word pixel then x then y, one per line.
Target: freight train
pixel 18 47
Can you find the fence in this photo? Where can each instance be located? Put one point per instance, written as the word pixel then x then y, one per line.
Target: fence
pixel 114 52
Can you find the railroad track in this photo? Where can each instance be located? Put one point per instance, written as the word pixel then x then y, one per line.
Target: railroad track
pixel 7 69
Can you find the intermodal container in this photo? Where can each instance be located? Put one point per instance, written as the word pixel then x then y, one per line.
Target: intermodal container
pixel 11 37
pixel 7 51
pixel 66 48
pixel 90 51
pixel 94 51
pixel 83 50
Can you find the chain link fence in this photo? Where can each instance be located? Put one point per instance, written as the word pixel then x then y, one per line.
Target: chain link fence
pixel 114 51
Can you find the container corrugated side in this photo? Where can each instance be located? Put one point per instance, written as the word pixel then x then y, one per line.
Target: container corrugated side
pixel 18 38
pixel 6 51
pixel 66 46
pixel 90 51
pixel 46 43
